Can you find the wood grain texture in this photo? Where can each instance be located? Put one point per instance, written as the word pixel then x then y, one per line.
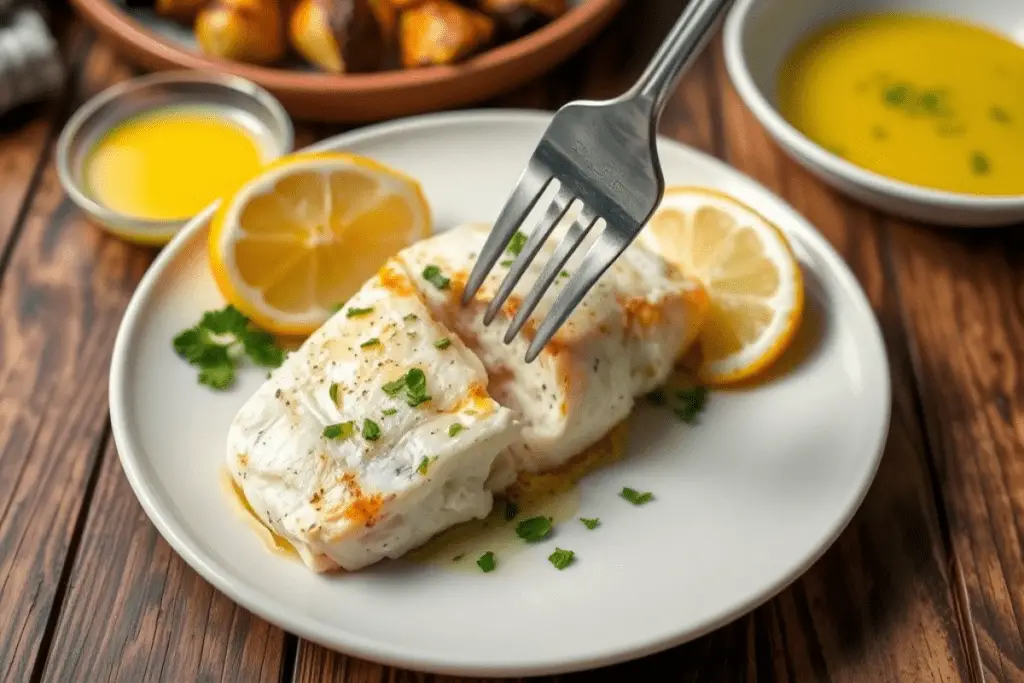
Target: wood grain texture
pixel 134 611
pixel 924 585
pixel 963 299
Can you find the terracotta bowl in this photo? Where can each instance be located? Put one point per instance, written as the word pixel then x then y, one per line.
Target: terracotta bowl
pixel 356 98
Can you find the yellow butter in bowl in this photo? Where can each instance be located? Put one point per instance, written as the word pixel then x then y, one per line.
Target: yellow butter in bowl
pixel 927 100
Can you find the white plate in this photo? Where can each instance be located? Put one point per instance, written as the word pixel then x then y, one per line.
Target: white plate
pixel 745 501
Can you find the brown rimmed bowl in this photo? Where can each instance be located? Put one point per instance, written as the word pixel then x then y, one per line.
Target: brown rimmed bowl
pixel 355 98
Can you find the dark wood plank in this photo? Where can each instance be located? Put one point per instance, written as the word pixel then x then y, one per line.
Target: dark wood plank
pixel 963 298
pixel 135 611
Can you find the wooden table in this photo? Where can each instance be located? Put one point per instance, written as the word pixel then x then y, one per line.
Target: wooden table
pixel 926 584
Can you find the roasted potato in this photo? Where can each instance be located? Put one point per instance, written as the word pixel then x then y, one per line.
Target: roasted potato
pixel 249 31
pixel 338 35
pixel 516 17
pixel 441 32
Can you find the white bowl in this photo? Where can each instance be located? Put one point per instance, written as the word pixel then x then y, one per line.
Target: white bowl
pixel 758 34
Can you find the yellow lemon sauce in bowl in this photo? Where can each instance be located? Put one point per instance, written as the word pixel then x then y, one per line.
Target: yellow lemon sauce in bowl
pixel 170 164
pixel 927 100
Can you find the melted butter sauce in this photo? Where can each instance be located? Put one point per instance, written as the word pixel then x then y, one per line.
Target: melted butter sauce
pixel 272 542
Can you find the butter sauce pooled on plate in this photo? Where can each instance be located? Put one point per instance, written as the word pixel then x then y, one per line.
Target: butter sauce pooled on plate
pixel 926 100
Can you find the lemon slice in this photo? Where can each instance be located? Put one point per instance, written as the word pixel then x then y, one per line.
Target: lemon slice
pixel 750 273
pixel 299 239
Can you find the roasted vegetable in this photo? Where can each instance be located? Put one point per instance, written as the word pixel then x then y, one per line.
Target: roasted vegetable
pixel 184 11
pixel 338 35
pixel 242 30
pixel 516 17
pixel 441 32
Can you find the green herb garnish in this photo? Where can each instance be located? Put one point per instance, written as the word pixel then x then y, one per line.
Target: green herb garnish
pixel 425 464
pixel 506 263
pixel 979 163
pixel 392 388
pixel 356 312
pixel 372 341
pixel 999 114
pixel 564 273
pixel 455 429
pixel 342 430
pixel 486 562
pixel 896 95
pixel 561 558
pixel 414 383
pixel 410 317
pixel 516 244
pixel 389 411
pixel 534 529
pixel 635 497
pixel 691 403
pixel 432 274
pixel 590 523
pixel 371 430
pixel 333 393
pixel 443 343
pixel 216 344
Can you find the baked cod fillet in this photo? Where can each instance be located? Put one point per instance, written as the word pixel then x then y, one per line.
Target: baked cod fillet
pixel 621 342
pixel 376 434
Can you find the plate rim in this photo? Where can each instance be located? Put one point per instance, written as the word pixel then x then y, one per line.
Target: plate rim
pixel 372 649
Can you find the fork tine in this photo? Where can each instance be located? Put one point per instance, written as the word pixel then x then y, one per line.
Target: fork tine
pixel 599 257
pixel 556 209
pixel 532 182
pixel 573 238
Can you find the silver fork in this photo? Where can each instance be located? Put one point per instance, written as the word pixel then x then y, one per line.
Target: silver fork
pixel 605 155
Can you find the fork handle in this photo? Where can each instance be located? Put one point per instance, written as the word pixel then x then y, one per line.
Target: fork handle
pixel 682 44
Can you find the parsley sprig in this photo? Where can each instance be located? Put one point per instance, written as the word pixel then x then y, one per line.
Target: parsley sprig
pixel 486 562
pixel 534 529
pixel 218 342
pixel 561 558
pixel 687 403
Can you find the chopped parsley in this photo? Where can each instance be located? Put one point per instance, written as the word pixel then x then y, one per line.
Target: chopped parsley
pixel 534 529
pixel 443 343
pixel 486 562
pixel 687 403
pixel 410 317
pixel 333 393
pixel 342 430
pixel 561 558
pixel 433 275
pixel 690 403
pixel 516 244
pixel 372 341
pixel 389 411
pixel 635 497
pixel 979 163
pixel 425 464
pixel 454 429
pixel 414 383
pixel 393 388
pixel 216 344
pixel 564 273
pixel 356 312
pixel 590 523
pixel 999 114
pixel 507 262
pixel 896 95
pixel 371 430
